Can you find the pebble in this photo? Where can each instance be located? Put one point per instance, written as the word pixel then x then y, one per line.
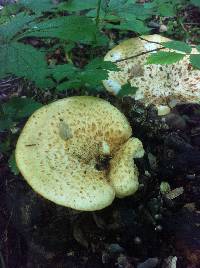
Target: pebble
pixel 115 248
pixel 149 263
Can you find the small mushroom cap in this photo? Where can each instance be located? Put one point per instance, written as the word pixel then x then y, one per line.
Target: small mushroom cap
pixel 123 173
pixel 58 149
pixel 157 84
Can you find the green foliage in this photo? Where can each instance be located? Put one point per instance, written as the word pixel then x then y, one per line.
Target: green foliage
pixel 178 45
pixel 90 76
pixel 11 113
pixel 29 62
pixel 123 15
pixel 198 48
pixel 127 90
pixel 195 2
pixel 163 57
pixel 12 164
pixel 195 60
pixel 78 5
pixel 70 28
pixel 14 110
pixel 24 61
pixel 130 25
pixel 37 6
pixel 16 24
pixel 7 12
pixel 20 59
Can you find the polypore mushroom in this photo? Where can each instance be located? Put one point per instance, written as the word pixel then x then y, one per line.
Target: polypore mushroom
pixel 60 146
pixel 157 84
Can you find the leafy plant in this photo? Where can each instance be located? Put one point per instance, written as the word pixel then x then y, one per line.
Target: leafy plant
pixel 11 113
pixel 84 24
pixel 14 110
pixel 90 76
pixel 163 57
pixel 18 58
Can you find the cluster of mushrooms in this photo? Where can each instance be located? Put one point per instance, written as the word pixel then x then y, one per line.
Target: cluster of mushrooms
pixel 62 144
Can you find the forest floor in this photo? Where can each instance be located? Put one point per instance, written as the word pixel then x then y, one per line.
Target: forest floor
pixel 147 230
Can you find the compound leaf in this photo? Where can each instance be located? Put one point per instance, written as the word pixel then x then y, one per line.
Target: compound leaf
pixel 17 23
pixel 24 61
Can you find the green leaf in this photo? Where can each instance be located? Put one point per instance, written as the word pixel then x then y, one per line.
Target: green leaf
pixel 60 72
pixel 24 61
pixel 68 47
pixel 195 2
pixel 18 108
pixel 126 90
pixel 71 28
pixel 77 5
pixel 69 85
pixel 195 60
pixel 99 63
pixel 5 123
pixel 166 10
pixel 134 10
pixel 162 57
pixel 37 6
pixel 12 164
pixel 90 76
pixel 198 48
pixel 134 25
pixel 7 11
pixel 178 45
pixel 96 71
pixel 17 23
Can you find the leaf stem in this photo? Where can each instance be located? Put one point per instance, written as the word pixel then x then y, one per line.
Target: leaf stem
pixel 98 12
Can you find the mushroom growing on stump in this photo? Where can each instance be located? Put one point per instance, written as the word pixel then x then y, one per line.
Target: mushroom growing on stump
pixel 162 85
pixel 60 146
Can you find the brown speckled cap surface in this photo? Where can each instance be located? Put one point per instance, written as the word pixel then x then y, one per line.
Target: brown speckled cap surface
pixel 58 149
pixel 157 84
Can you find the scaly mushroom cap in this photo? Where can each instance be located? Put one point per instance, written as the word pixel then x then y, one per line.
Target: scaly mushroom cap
pixel 59 147
pixel 157 84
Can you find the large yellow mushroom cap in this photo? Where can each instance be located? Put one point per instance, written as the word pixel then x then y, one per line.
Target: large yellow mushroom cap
pixel 60 146
pixel 157 84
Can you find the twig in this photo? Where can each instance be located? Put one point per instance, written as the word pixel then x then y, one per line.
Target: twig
pixel 154 42
pixel 145 52
pixel 140 54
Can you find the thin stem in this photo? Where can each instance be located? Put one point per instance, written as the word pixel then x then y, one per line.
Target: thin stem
pixel 98 12
pixel 140 54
